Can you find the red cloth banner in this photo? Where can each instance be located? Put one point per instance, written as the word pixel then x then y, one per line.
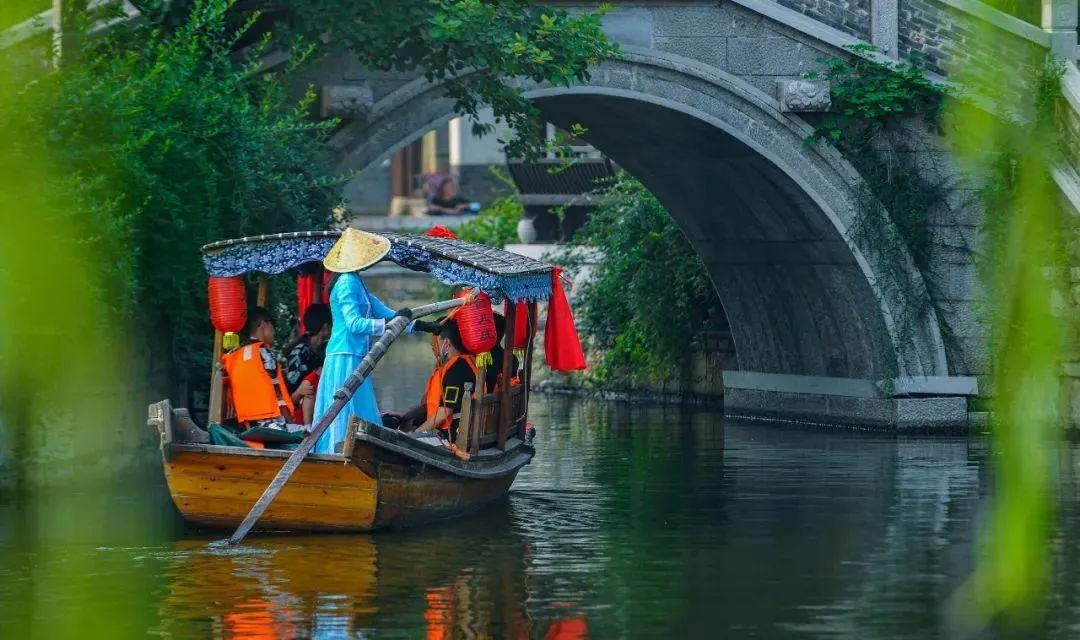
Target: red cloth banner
pixel 521 323
pixel 562 347
pixel 309 290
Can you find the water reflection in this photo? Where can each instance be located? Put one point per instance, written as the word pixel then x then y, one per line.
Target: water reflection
pixel 465 580
pixel 632 521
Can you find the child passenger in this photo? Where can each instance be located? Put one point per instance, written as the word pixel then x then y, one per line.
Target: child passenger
pixel 305 410
pixel 301 354
pixel 259 394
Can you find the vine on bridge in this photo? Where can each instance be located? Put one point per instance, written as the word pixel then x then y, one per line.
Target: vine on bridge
pixel 881 113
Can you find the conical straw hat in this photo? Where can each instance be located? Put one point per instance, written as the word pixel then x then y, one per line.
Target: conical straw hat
pixel 355 250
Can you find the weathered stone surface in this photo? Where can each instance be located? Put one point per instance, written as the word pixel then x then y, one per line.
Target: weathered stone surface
pixel 955 243
pixel 944 414
pixel 953 40
pixel 958 281
pixel 804 95
pixel 849 16
pixel 702 20
pixel 772 56
pixel 884 26
pixel 969 356
pixel 929 414
pixel 346 101
pixel 707 49
pixel 965 320
pixel 630 26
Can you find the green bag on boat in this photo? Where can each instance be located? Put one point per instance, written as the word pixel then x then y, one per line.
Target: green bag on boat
pixel 268 435
pixel 223 437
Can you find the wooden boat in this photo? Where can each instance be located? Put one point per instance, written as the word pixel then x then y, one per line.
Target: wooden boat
pixel 381 477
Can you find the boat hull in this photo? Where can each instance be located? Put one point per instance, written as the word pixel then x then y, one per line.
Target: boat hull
pixel 370 490
pixel 383 479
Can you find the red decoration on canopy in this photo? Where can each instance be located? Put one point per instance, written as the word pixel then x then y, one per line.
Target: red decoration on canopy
pixel 522 332
pixel 309 290
pixel 476 323
pixel 439 231
pixel 228 304
pixel 562 347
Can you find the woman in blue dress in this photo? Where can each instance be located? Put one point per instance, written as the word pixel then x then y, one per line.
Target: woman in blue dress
pixel 358 318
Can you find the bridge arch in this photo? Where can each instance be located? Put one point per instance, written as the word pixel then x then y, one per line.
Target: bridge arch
pixel 772 219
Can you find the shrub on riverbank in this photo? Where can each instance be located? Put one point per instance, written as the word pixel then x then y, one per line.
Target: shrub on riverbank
pixel 648 300
pixel 156 143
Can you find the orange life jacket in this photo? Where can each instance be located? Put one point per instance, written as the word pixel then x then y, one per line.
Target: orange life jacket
pixel 433 396
pixel 253 393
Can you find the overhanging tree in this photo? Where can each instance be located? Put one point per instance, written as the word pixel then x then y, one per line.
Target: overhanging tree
pixel 479 50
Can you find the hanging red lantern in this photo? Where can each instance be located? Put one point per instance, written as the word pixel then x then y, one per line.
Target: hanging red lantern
pixel 522 331
pixel 476 324
pixel 228 308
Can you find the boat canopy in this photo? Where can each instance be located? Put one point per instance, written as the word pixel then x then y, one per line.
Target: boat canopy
pixel 454 262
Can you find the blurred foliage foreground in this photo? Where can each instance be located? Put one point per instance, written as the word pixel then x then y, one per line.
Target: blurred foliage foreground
pixel 1028 243
pixel 115 168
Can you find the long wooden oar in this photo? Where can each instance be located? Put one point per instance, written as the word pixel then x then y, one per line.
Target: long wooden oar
pixel 394 328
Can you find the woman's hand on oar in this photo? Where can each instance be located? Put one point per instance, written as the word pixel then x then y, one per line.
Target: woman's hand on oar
pixel 394 328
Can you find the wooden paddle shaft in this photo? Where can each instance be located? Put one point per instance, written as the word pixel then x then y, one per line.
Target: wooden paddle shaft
pixel 394 328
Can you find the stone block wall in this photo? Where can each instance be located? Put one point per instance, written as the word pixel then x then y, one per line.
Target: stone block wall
pixel 850 16
pixel 953 228
pixel 956 42
pixel 737 40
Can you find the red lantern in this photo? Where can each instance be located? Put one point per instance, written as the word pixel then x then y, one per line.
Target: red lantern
pixel 228 308
pixel 522 331
pixel 476 324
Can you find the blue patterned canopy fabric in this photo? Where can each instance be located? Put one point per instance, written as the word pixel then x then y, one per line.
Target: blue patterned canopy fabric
pixel 454 262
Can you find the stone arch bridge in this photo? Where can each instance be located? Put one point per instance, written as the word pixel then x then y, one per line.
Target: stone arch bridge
pixel 708 109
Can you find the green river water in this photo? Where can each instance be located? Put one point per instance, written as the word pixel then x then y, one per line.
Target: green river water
pixel 632 521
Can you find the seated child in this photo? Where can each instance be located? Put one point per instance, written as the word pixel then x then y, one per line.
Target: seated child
pixel 302 353
pixel 259 394
pixel 304 397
